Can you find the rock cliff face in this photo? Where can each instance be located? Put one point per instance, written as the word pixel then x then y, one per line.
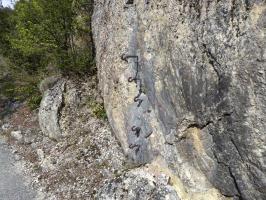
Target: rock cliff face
pixel 184 85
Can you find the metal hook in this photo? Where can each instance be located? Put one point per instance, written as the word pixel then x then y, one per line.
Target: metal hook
pixel 140 102
pixel 135 79
pixel 131 79
pixel 131 146
pixel 137 130
pixel 125 57
pixel 137 99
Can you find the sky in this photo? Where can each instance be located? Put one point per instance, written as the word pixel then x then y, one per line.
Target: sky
pixel 7 3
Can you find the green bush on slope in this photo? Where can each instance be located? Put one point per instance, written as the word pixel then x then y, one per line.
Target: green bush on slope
pixel 41 33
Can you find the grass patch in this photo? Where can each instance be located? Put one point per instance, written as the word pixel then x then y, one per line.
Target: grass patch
pixel 97 109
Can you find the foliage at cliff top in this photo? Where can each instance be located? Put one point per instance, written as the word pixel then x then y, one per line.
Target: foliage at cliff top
pixel 44 37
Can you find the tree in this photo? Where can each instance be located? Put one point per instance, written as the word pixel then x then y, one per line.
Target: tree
pixel 6 26
pixel 51 29
pixel 41 33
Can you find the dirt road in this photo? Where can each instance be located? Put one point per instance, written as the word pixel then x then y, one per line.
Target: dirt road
pixel 13 185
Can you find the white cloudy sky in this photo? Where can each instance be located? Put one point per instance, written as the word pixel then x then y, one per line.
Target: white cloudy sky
pixel 7 3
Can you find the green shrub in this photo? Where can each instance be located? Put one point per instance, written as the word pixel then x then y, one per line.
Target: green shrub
pixel 97 109
pixel 34 101
pixel 54 31
pixel 41 33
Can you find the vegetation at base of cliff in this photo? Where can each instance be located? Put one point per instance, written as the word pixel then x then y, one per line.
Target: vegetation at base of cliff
pixel 41 38
pixel 97 109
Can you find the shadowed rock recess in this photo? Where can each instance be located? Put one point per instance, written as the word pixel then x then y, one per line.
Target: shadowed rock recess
pixel 192 104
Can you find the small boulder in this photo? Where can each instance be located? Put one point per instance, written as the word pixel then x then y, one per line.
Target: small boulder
pixel 49 112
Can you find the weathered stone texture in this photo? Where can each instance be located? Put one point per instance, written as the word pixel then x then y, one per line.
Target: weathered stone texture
pixel 138 184
pixel 203 79
pixel 49 112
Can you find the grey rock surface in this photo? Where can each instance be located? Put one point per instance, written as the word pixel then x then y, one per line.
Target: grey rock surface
pixel 201 73
pixel 49 112
pixel 139 184
pixel 13 185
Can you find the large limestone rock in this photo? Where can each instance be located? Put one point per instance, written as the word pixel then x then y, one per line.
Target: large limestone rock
pixel 202 80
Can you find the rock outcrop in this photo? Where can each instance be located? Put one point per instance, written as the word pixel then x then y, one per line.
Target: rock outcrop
pixel 184 86
pixel 76 152
pixel 49 113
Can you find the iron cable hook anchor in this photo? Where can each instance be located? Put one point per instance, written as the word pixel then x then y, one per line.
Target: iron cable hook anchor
pixel 135 79
pixel 125 58
pixel 136 130
pixel 131 79
pixel 137 99
pixel 132 146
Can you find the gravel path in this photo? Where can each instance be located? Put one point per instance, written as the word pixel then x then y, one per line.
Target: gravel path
pixel 12 183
